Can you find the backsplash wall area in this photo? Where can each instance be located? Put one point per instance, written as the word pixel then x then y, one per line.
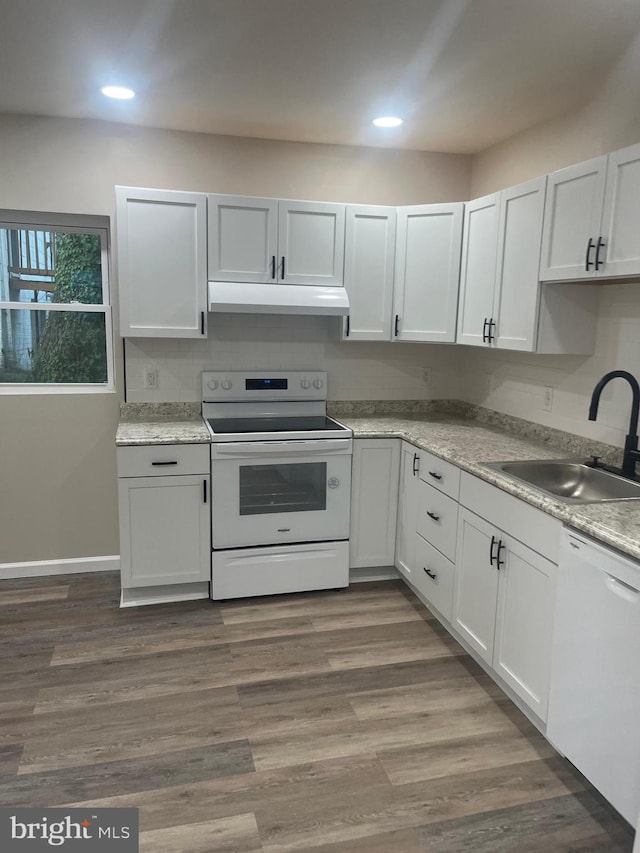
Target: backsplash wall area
pixel 515 383
pixel 356 371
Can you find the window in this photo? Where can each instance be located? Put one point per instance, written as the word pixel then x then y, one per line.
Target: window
pixel 55 317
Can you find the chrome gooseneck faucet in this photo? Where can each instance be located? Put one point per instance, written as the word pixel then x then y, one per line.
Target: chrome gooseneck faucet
pixel 630 455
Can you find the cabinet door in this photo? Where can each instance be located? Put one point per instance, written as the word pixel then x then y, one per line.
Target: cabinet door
pixel 162 263
pixel 517 289
pixel 621 250
pixel 164 530
pixel 243 238
pixel 478 269
pixel 427 272
pixel 407 509
pixel 370 241
pixel 572 217
pixel 374 502
pixel 476 584
pixel 310 242
pixel 524 623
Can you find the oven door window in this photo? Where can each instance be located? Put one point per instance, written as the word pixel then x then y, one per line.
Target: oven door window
pixel 296 487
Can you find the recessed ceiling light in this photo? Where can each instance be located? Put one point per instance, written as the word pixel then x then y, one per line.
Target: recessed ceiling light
pixel 387 121
pixel 121 93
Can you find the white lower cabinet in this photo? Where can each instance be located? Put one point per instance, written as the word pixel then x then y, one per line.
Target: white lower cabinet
pixel 433 577
pixel 374 502
pixel 407 511
pixel 165 525
pixel 490 577
pixel 503 606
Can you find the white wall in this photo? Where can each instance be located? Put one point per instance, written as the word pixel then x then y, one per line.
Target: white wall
pixel 514 383
pixel 356 371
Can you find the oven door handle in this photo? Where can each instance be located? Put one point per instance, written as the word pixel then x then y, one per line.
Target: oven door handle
pixel 254 450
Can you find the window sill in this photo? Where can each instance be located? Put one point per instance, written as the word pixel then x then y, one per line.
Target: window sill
pixel 18 390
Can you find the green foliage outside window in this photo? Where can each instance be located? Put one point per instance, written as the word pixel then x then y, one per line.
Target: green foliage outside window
pixel 72 347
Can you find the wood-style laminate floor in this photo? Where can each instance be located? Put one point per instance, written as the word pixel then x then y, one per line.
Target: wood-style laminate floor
pixel 330 721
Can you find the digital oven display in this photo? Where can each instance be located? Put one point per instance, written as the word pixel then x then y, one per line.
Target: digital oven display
pixel 265 384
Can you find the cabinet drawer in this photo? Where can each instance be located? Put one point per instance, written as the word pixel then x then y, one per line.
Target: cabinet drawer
pixel 433 577
pixel 158 460
pixel 524 522
pixel 442 475
pixel 437 519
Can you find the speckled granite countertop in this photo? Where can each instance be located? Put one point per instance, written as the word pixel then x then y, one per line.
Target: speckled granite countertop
pixel 469 444
pixel 161 423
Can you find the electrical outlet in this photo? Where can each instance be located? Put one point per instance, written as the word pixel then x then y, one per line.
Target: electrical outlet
pixel 425 375
pixel 547 399
pixel 150 378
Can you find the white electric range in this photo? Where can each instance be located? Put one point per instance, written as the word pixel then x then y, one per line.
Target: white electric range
pixel 280 481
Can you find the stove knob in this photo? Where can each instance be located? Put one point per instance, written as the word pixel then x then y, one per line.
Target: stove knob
pixel 213 384
pixel 304 383
pixel 226 384
pixel 318 383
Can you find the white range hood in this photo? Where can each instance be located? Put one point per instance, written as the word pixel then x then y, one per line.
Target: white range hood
pixel 248 298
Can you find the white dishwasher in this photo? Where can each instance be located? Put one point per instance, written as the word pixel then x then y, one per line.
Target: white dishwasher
pixel 594 699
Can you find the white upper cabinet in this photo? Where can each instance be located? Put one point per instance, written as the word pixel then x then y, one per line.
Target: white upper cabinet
pixel 515 306
pixel 267 240
pixel 620 254
pixel 162 263
pixel 502 303
pixel 478 269
pixel 310 242
pixel 591 219
pixel 369 253
pixel 243 238
pixel 429 239
pixel 572 218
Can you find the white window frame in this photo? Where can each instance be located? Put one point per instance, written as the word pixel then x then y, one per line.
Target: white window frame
pixel 71 224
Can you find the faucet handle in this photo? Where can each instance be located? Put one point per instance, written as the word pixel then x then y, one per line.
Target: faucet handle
pixel 594 461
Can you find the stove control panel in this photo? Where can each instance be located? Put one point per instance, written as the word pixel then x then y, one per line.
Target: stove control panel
pixel 254 385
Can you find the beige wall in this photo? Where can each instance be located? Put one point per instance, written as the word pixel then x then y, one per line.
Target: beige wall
pixel 514 383
pixel 58 494
pixel 610 120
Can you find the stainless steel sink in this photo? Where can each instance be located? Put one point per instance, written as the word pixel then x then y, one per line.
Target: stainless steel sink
pixel 570 481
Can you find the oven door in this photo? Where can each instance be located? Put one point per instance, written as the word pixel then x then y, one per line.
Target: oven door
pixel 267 492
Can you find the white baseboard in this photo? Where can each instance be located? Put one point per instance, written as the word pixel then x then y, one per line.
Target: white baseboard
pixel 41 568
pixel 374 573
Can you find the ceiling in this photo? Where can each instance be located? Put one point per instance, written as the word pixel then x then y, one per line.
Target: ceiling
pixel 465 74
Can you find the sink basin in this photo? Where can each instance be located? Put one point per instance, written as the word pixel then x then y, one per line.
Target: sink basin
pixel 570 481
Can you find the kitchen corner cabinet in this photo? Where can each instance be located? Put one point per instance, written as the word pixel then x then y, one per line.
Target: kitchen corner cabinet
pixel 502 304
pixel 267 240
pixel 162 263
pixel 428 244
pixel 504 590
pixel 591 219
pixel 369 255
pixel 407 511
pixel 164 518
pixel 374 502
